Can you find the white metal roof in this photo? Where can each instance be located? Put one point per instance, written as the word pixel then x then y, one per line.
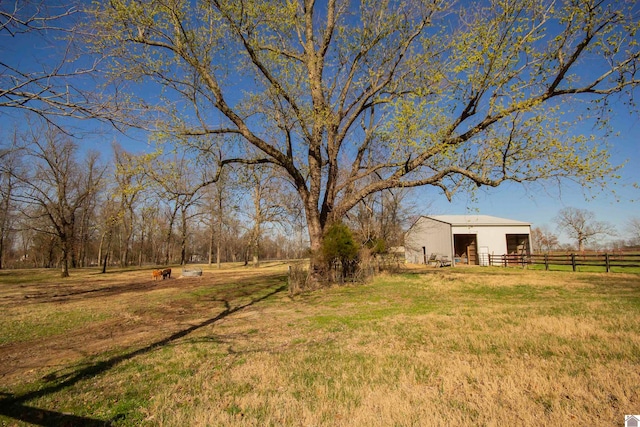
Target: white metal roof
pixel 466 220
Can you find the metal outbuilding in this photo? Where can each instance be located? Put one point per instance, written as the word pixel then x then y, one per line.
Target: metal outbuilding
pixel 465 239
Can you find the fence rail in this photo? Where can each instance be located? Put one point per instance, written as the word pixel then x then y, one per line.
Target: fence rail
pixel 574 260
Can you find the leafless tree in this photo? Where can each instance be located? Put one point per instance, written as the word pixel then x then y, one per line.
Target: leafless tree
pixel 109 215
pixel 268 191
pixel 9 168
pixel 379 219
pixel 581 225
pixel 130 186
pixel 57 186
pixel 543 239
pixel 220 201
pixel 633 229
pixel 178 184
pixel 87 226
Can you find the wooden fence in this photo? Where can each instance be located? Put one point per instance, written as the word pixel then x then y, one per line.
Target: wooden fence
pixel 574 260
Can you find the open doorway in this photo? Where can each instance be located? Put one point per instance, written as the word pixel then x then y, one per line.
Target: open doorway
pixel 464 246
pixel 517 248
pixel 518 244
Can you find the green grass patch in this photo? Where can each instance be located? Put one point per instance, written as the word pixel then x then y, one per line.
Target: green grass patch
pixel 38 323
pixel 585 268
pixel 18 277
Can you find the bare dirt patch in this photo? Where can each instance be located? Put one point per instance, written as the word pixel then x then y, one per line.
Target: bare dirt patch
pixel 136 311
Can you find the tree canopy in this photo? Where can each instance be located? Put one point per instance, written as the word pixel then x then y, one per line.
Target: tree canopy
pixel 348 98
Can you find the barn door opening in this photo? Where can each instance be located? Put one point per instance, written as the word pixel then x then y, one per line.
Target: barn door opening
pixel 517 247
pixel 518 244
pixel 464 246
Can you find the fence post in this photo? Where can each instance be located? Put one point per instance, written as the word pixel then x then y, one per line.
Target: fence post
pixel 573 261
pixel 606 261
pixel 546 262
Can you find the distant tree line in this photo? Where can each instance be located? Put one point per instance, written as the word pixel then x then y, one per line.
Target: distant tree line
pixel 586 233
pixel 64 208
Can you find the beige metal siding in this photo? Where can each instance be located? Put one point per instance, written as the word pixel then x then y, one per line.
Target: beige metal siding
pixel 426 237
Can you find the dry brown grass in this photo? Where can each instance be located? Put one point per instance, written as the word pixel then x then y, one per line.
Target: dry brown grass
pixel 475 360
pixel 469 346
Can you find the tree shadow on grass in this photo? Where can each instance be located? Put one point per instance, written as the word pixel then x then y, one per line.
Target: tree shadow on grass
pixel 14 406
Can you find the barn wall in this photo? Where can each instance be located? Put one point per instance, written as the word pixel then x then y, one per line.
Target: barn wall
pixel 434 236
pixel 492 237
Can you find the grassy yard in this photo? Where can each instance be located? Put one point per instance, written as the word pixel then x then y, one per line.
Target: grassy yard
pixel 464 346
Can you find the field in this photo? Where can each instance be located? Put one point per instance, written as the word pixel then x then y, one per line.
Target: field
pixel 463 346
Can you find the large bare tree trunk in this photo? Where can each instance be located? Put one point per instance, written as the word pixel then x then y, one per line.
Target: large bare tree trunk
pixel 219 242
pixel 65 258
pixel 106 254
pixel 168 236
pixel 218 255
pixel 183 240
pixel 4 221
pixel 317 268
pixel 211 235
pixel 141 247
pixel 100 247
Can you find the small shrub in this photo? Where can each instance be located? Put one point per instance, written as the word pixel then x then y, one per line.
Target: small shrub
pixel 339 244
pixel 339 247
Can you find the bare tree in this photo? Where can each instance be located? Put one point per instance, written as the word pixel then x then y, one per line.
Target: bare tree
pixel 41 247
pixel 179 184
pixel 87 226
pixel 57 187
pixel 217 215
pixel 130 187
pixel 543 239
pixel 269 190
pixel 379 219
pixel 221 199
pixel 581 225
pixel 9 168
pixel 633 230
pixel 148 217
pixel 110 215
